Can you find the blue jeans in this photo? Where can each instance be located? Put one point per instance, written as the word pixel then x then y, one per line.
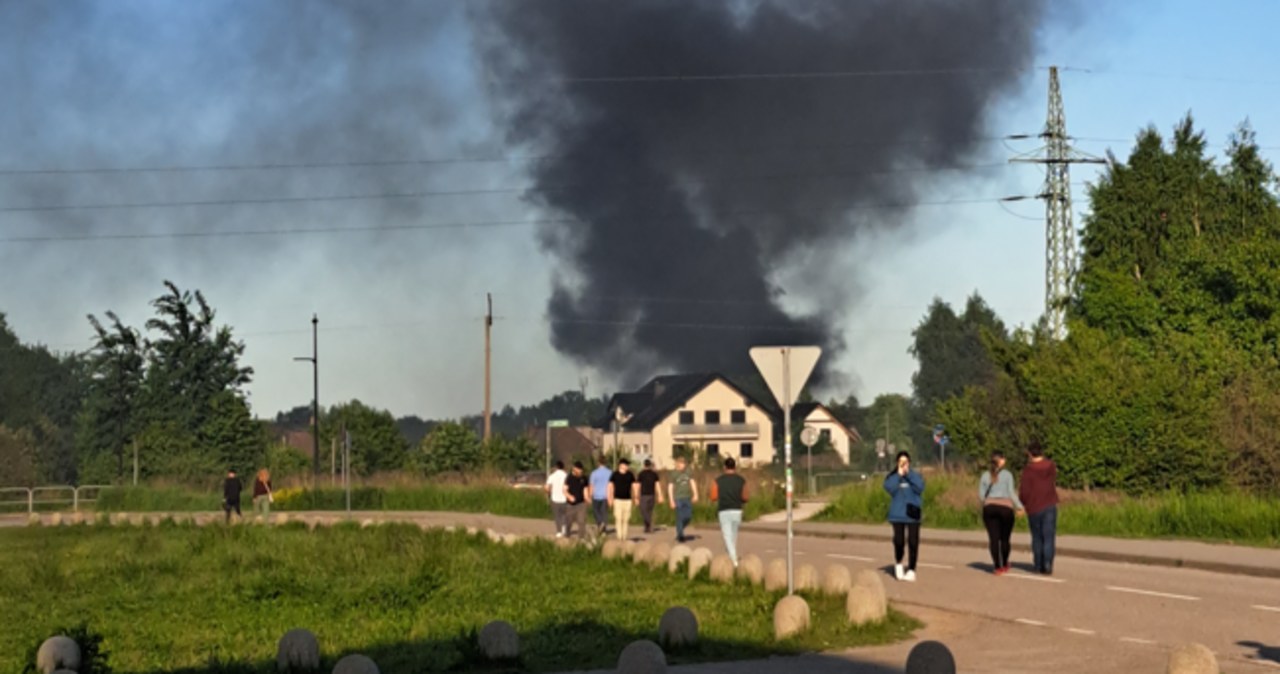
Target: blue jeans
pixel 600 509
pixel 684 515
pixel 730 521
pixel 1044 528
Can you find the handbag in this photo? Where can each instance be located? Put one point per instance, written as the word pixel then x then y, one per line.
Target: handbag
pixel 913 511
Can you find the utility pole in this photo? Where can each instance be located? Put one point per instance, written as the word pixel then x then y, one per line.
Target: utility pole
pixel 315 394
pixel 1057 156
pixel 488 328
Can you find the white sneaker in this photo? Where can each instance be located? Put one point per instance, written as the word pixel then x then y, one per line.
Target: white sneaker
pixel 897 572
pixel 910 577
pixel 559 534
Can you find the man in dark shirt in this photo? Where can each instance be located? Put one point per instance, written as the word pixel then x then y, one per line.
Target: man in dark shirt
pixel 577 492
pixel 231 495
pixel 729 491
pixel 649 494
pixel 622 491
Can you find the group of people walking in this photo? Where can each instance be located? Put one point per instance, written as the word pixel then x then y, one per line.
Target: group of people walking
pixel 1001 501
pixel 261 499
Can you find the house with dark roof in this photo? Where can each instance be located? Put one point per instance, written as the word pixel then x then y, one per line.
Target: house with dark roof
pixel 839 436
pixel 705 412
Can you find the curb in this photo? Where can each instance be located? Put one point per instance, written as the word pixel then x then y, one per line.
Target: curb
pixel 1097 555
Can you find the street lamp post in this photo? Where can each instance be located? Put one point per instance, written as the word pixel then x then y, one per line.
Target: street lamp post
pixel 315 395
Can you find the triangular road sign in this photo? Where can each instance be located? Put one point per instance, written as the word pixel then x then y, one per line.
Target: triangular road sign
pixel 785 369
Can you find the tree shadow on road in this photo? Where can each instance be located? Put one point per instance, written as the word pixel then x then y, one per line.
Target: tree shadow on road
pixel 1263 652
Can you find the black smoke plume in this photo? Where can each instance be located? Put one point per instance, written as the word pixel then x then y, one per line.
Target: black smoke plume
pixel 686 194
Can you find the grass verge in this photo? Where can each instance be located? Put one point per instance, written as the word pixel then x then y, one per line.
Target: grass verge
pixel 952 503
pixel 179 599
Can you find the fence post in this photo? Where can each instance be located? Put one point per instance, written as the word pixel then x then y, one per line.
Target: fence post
pixel 75 499
pixel 31 501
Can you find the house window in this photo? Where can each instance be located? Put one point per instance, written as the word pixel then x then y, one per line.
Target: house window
pixel 738 416
pixel 686 418
pixel 713 450
pixel 713 417
pixel 825 434
pixel 746 450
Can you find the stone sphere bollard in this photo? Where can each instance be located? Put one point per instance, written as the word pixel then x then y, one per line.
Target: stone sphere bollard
pixel 280 518
pixel 1192 659
pixel 60 652
pixel 678 628
pixel 355 664
pixel 628 550
pixel 930 657
pixel 659 555
pixel 612 549
pixel 499 641
pixel 775 575
pixel 642 657
pixel 34 520
pixel 55 520
pixel 640 554
pixel 790 617
pixel 836 580
pixel 867 602
pixel 807 578
pixel 298 651
pixel 366 524
pixel 722 570
pixel 699 560
pixel 679 554
pixel 752 569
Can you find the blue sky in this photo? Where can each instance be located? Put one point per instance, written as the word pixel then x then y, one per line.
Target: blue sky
pixel 134 83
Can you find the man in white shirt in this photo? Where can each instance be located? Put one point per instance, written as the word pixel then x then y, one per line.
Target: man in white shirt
pixel 559 504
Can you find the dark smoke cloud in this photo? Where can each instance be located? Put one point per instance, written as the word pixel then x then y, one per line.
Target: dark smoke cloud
pixel 686 195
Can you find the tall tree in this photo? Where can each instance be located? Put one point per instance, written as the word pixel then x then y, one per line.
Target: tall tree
pixel 108 423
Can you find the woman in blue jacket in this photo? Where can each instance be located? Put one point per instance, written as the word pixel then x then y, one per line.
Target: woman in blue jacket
pixel 906 489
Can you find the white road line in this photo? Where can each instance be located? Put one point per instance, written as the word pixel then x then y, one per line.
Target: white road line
pixel 853 557
pixel 1042 579
pixel 1150 593
pixel 1033 623
pixel 936 566
pixel 1076 630
pixel 1131 640
pixel 1274 609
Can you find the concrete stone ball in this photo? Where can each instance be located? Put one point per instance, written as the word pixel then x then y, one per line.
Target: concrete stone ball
pixel 659 555
pixel 499 641
pixel 872 581
pixel 837 580
pixel 628 550
pixel 366 523
pixel 298 651
pixel 493 535
pixel 752 569
pixel 678 628
pixel 865 605
pixel 641 552
pixel 58 652
pixel 722 570
pixel 699 560
pixel 679 554
pixel 775 575
pixel 930 657
pixel 612 549
pixel 1192 659
pixel 55 520
pixel 807 578
pixel 280 518
pixel 642 657
pixel 355 664
pixel 564 542
pixel 34 520
pixel 790 617
pixel 137 519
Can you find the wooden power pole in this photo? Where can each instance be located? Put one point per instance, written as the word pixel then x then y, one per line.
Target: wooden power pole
pixel 488 372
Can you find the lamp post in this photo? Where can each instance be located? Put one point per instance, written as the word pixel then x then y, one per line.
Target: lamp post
pixel 315 397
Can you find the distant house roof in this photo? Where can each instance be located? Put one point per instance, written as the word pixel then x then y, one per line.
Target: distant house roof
pixel 803 410
pixel 567 444
pixel 663 395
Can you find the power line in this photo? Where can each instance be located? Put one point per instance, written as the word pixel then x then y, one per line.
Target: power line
pixel 818 75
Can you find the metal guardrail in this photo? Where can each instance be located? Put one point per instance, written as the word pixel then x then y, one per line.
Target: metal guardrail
pixel 85 493
pixel 823 481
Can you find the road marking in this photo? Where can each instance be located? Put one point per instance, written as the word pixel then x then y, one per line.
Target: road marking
pixel 1076 630
pixel 853 557
pixel 1033 623
pixel 1150 593
pixel 1042 579
pixel 1131 640
pixel 936 566
pixel 1274 609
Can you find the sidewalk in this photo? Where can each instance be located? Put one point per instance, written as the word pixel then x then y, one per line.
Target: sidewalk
pixel 1218 557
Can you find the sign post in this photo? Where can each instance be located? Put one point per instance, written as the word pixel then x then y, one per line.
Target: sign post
pixel 786 369
pixel 809 436
pixel 553 423
pixel 940 438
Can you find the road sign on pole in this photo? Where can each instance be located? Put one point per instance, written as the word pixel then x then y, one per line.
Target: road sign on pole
pixel 809 437
pixel 786 369
pixel 553 423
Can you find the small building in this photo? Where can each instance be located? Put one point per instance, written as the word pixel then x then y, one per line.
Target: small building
pixel 693 412
pixel 835 433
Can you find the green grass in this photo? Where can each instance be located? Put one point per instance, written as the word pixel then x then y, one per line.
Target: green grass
pixel 951 503
pixel 180 599
pixel 156 499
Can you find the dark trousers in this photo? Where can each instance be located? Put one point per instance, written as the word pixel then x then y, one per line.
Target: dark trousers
pixel 906 536
pixel 576 516
pixel 600 509
pixel 1044 529
pixel 228 506
pixel 999 522
pixel 684 515
pixel 646 511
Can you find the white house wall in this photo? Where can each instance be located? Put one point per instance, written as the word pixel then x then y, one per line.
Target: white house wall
pixel 723 398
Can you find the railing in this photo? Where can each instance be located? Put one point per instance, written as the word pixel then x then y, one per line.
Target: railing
pixel 51 496
pixel 716 429
pixel 824 481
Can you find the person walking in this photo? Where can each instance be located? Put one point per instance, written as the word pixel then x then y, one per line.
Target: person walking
pixel 559 502
pixel 1039 494
pixel 577 492
pixel 682 491
pixel 729 491
pixel 600 493
pixel 231 489
pixel 262 498
pixel 1000 504
pixel 650 494
pixel 906 491
pixel 622 494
